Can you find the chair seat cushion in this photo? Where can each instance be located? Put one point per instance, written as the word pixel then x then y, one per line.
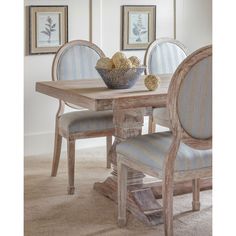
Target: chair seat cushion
pixel 82 121
pixel 161 117
pixel 152 149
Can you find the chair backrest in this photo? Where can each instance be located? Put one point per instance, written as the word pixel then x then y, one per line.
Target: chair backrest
pixel 163 56
pixel 76 60
pixel 190 99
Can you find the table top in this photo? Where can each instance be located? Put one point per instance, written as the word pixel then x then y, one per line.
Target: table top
pixel 94 95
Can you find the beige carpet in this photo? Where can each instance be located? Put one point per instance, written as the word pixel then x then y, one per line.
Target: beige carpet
pixel 50 211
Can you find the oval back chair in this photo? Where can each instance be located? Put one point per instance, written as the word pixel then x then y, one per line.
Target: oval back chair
pixel 163 56
pixel 190 99
pixel 183 154
pixel 76 60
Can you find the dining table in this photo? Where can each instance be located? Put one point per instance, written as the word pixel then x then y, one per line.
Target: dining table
pixel 129 107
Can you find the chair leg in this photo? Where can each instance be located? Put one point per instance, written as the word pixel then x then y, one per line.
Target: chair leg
pixel 71 165
pixel 196 194
pixel 167 197
pixel 56 153
pixel 122 193
pixel 151 125
pixel 109 144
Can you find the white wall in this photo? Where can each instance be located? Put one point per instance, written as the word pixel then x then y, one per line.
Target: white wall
pixel 40 109
pixel 111 23
pixel 194 23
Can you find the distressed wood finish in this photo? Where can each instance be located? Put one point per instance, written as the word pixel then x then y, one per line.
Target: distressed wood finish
pixel 167 190
pixel 71 165
pixel 129 109
pixel 196 195
pixel 57 141
pixel 122 194
pixel 179 135
pixel 94 95
pixel 71 138
pixel 181 187
pixel 109 145
pixel 140 202
pixel 151 125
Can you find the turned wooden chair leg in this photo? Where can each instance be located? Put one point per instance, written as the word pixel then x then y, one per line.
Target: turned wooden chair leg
pixel 122 193
pixel 167 198
pixel 151 125
pixel 196 194
pixel 56 153
pixel 71 165
pixel 109 145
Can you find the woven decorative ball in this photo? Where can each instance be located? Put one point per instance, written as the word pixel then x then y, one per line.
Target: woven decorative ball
pixel 125 64
pixel 105 63
pixel 117 57
pixel 152 82
pixel 135 61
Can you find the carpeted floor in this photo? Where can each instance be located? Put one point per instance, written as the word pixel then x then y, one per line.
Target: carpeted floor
pixel 49 211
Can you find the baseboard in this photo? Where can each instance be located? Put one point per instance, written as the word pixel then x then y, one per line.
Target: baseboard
pixel 43 143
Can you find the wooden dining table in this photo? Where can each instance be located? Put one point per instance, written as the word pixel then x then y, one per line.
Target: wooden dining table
pixel 129 108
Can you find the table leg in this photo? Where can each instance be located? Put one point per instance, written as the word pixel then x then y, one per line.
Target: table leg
pixel 141 201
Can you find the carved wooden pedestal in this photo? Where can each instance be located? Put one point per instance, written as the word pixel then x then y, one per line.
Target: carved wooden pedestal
pixel 141 200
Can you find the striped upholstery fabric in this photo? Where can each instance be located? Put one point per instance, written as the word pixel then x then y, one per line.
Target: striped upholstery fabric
pixel 77 62
pixel 161 117
pixel 151 150
pixel 81 121
pixel 195 100
pixel 165 58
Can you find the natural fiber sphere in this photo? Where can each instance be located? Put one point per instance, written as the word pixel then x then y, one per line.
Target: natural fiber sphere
pixel 117 57
pixel 135 61
pixel 152 82
pixel 125 63
pixel 105 63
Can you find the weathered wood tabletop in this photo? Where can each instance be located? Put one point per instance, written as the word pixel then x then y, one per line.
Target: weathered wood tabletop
pixel 94 95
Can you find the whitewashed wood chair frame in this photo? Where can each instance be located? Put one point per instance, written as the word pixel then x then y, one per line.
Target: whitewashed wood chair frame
pixel 180 135
pixel 161 118
pixel 71 138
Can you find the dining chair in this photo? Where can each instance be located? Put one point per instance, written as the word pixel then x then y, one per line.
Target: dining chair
pixel 76 60
pixel 162 57
pixel 183 154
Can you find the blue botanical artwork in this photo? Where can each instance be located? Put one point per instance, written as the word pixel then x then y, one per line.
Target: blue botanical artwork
pixel 48 30
pixel 138 27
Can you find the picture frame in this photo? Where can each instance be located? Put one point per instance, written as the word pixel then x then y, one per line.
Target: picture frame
pixel 138 26
pixel 48 28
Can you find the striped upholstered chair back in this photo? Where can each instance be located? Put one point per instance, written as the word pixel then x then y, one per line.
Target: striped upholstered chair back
pixel 76 60
pixel 163 56
pixel 190 99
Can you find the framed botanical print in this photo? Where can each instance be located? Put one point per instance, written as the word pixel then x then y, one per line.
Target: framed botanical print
pixel 138 27
pixel 48 28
